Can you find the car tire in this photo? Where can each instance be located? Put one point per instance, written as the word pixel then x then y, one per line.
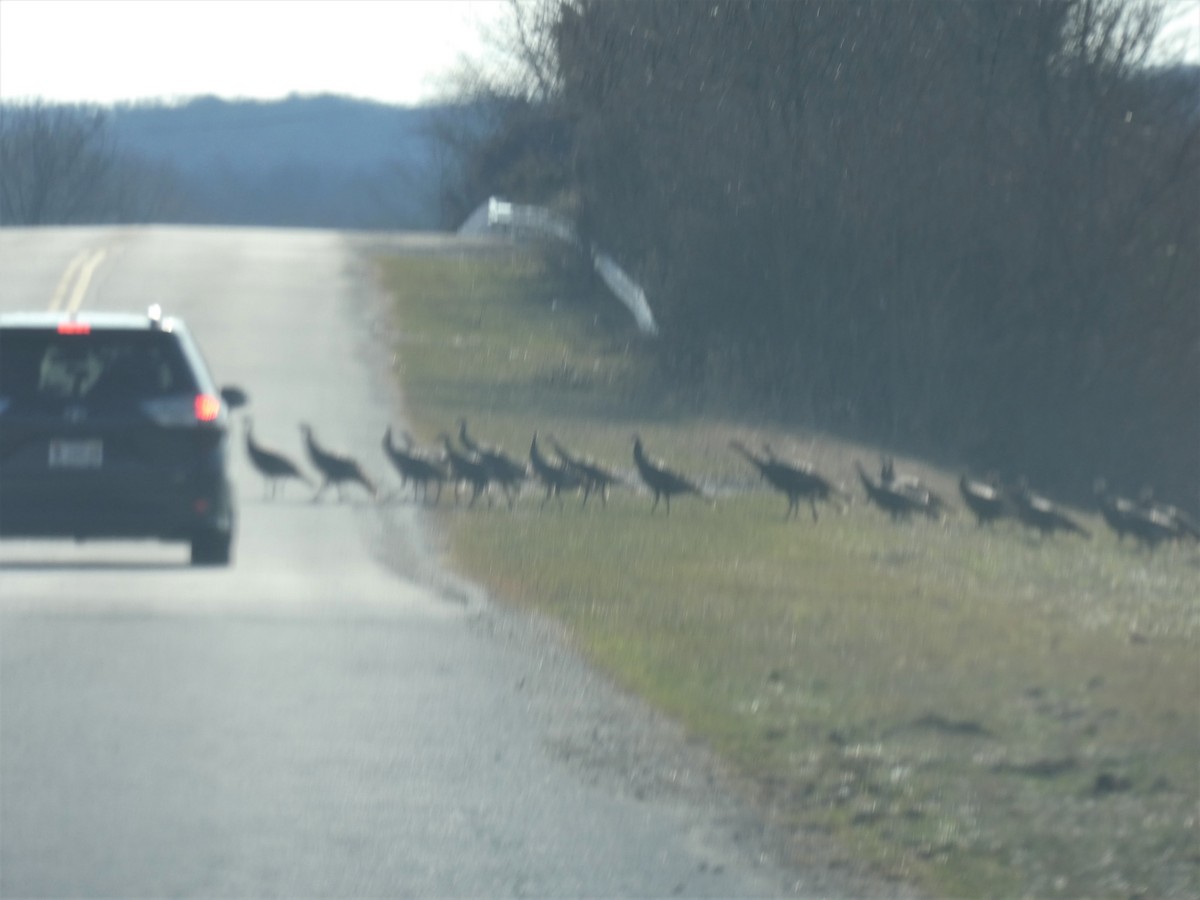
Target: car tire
pixel 212 548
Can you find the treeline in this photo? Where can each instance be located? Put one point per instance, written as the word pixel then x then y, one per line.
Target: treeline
pixel 60 165
pixel 323 161
pixel 965 227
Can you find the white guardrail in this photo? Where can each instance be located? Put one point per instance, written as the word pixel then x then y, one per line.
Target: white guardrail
pixel 511 218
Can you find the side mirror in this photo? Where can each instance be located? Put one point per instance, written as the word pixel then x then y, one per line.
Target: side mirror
pixel 234 397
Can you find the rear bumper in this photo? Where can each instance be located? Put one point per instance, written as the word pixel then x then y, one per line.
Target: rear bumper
pixel 80 507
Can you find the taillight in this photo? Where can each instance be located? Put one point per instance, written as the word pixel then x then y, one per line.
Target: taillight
pixel 196 409
pixel 207 407
pixel 74 328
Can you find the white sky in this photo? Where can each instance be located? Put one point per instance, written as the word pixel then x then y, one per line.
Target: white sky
pixel 394 51
pixel 1181 31
pixel 109 51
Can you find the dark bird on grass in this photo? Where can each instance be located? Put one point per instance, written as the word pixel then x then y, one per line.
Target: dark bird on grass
pixel 1146 520
pixel 1041 513
pixel 466 469
pixel 662 481
pixel 984 498
pixel 821 488
pixel 335 468
pixel 1148 527
pixel 909 484
pixel 557 477
pixel 412 465
pixel 1185 525
pixel 597 478
pixel 899 500
pixel 794 481
pixel 1119 513
pixel 502 468
pixel 274 467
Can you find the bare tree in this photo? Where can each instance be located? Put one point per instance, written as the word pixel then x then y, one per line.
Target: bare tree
pixel 54 163
pixel 504 132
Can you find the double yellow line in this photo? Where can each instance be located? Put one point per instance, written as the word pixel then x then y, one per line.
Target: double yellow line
pixel 73 285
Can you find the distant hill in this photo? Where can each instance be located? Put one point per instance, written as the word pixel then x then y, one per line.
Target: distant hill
pixel 319 161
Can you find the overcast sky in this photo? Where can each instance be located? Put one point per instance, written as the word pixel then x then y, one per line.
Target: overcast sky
pixel 395 51
pixel 108 51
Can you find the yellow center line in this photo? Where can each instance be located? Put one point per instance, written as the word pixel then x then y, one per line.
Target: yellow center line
pixel 84 279
pixel 64 283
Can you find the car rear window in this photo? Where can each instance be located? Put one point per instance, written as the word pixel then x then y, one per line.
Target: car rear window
pixel 42 367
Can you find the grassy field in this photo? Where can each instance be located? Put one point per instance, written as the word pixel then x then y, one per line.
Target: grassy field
pixel 977 711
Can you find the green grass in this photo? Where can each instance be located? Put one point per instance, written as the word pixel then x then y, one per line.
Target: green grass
pixel 948 702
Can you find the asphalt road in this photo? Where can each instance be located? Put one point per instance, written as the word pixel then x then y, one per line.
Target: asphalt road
pixel 333 715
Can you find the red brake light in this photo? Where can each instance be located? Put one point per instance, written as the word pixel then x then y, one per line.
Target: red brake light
pixel 74 328
pixel 207 407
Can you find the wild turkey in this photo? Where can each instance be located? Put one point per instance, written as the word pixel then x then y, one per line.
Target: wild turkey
pixel 398 457
pixel 1148 527
pixel 556 478
pixel 274 467
pixel 502 468
pixel 597 478
pixel 984 498
pixel 466 440
pixel 466 469
pixel 909 484
pixel 899 501
pixel 1184 525
pixel 335 469
pixel 1042 514
pixel 412 466
pixel 793 481
pixel 819 487
pixel 661 480
pixel 1118 512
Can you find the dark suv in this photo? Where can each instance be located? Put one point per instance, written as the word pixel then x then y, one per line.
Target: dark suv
pixel 111 427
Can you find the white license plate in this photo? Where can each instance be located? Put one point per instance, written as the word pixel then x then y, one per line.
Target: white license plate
pixel 76 454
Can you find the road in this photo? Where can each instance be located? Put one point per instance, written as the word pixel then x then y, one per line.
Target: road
pixel 334 715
